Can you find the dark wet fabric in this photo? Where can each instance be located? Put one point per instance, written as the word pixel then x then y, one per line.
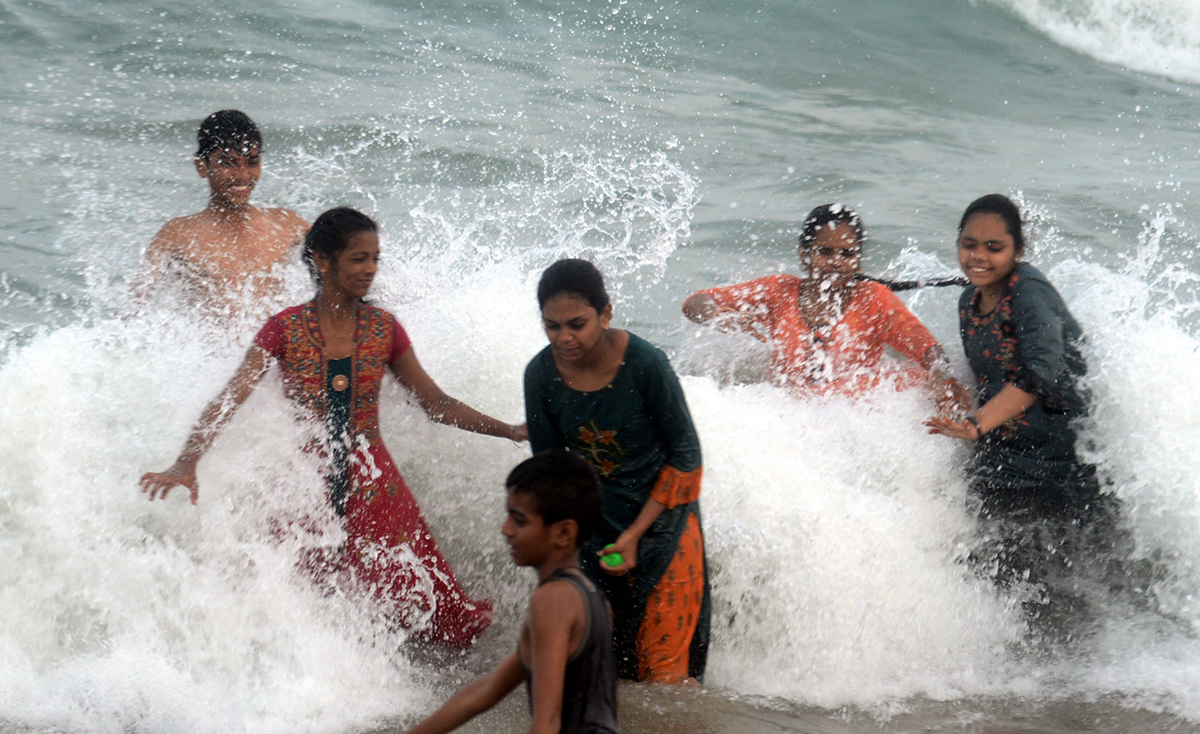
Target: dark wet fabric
pixel 627 430
pixel 1030 340
pixel 589 700
pixel 337 432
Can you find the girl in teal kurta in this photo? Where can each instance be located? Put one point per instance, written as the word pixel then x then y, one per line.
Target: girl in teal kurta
pixel 613 397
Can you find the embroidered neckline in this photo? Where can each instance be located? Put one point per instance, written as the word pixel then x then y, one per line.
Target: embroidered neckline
pixel 313 324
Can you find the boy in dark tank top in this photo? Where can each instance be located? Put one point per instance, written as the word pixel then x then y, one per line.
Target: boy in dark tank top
pixel 565 655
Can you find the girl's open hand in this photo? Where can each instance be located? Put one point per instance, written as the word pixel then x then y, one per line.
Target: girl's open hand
pixel 954 429
pixel 158 484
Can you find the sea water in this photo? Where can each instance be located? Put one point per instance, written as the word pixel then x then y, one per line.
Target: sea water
pixel 677 145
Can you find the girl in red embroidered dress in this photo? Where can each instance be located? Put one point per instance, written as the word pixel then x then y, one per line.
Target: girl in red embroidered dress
pixel 334 351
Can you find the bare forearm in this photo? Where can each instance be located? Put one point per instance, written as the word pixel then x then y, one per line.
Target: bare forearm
pixel 217 413
pixel 934 362
pixel 1009 403
pixel 649 513
pixel 949 396
pixel 444 409
pixel 461 708
pixel 474 698
pixel 545 727
pixel 453 412
pixel 626 544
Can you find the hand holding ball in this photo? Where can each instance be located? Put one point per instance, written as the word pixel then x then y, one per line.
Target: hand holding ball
pixel 612 560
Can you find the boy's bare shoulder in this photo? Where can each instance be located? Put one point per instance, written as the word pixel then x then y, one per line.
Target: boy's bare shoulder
pixel 180 232
pixel 285 218
pixel 557 598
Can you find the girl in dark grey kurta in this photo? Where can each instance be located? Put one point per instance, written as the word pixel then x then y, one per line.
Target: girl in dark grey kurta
pixel 613 398
pixel 1029 340
pixel 1043 504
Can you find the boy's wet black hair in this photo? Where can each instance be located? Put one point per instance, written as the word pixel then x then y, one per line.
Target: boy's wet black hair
pixel 830 215
pixel 1003 207
pixel 227 130
pixel 573 277
pixel 330 235
pixel 563 487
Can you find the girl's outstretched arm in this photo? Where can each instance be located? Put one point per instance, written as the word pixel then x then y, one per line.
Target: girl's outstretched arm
pixel 444 409
pixel 206 430
pixel 703 309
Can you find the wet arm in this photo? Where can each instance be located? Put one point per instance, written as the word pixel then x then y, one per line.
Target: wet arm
pixel 1009 403
pixel 627 542
pixel 702 308
pixel 904 332
pixel 678 480
pixel 299 228
pixel 1042 374
pixel 444 409
pixel 212 420
pixel 1042 342
pixel 162 248
pixel 948 394
pixel 474 698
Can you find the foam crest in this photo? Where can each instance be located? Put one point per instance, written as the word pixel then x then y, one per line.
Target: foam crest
pixel 1154 36
pixel 625 212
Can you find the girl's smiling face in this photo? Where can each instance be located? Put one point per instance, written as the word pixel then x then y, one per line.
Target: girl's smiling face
pixel 354 268
pixel 987 252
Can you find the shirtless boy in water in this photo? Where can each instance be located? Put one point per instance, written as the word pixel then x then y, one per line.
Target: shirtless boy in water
pixel 565 654
pixel 224 254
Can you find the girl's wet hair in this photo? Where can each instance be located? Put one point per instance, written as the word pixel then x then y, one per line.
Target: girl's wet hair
pixel 576 278
pixel 228 130
pixel 330 235
pixel 830 215
pixel 1003 207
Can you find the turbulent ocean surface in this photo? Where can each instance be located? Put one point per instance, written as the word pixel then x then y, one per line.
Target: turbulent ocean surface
pixel 678 144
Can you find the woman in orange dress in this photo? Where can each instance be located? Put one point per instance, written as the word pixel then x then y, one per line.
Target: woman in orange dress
pixel 333 352
pixel 828 331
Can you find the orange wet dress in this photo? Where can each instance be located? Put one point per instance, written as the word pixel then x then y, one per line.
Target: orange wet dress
pixel 844 358
pixel 389 549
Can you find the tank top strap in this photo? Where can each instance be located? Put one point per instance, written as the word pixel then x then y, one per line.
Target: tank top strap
pixel 566 574
pixel 589 696
pixel 594 602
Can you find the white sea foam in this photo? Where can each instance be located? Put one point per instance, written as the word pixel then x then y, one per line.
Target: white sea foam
pixel 1154 36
